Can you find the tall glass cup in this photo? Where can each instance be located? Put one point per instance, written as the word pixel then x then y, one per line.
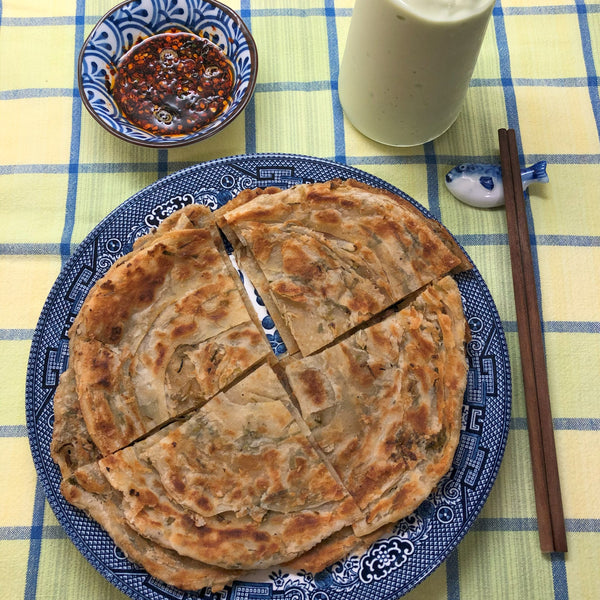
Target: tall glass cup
pixel 408 64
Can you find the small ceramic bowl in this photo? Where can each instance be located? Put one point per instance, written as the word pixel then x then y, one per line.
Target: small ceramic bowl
pixel 134 20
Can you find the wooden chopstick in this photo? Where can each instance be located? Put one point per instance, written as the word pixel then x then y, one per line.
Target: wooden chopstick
pixel 548 498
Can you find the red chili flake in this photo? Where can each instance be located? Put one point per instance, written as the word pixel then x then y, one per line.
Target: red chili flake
pixel 166 82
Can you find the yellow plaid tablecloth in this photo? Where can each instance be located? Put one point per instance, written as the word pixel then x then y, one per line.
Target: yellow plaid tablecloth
pixel 61 173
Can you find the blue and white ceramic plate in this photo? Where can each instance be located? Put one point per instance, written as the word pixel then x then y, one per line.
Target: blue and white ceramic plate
pixel 393 565
pixel 134 20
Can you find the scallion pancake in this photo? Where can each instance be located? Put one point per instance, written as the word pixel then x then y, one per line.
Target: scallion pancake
pixel 336 254
pixel 384 405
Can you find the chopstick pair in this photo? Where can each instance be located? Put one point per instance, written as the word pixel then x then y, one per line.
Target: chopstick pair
pixel 548 499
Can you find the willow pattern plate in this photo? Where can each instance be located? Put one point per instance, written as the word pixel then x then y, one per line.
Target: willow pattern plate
pixel 393 565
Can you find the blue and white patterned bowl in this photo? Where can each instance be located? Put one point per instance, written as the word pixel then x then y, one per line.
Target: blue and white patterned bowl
pixel 133 20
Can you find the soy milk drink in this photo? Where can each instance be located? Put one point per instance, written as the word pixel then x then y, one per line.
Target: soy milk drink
pixel 407 66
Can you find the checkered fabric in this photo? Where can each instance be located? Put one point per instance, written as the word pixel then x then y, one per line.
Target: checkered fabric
pixel 61 173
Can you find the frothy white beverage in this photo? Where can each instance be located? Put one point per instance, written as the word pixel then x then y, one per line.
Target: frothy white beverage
pixel 407 66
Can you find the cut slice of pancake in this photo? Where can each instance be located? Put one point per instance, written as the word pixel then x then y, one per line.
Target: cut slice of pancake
pixel 237 485
pixel 335 254
pixel 384 404
pixel 87 489
pixel 172 306
pixel 193 372
pixel 437 429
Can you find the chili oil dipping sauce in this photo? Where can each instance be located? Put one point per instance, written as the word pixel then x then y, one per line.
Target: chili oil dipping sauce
pixel 173 83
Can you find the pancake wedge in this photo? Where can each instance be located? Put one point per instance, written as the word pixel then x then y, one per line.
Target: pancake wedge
pixel 87 489
pixel 335 254
pixel 384 405
pixel 172 306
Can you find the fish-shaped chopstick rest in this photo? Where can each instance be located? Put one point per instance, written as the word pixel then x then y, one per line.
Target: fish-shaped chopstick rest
pixel 480 185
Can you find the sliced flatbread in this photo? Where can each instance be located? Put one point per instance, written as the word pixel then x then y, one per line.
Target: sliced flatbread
pixel 385 404
pixel 335 254
pixel 87 489
pixel 172 306
pixel 237 485
pixel 202 454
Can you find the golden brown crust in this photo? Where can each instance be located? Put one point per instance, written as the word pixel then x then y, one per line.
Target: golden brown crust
pixel 464 261
pixel 87 489
pixel 175 292
pixel 295 461
pixel 384 404
pixel 335 254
